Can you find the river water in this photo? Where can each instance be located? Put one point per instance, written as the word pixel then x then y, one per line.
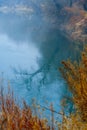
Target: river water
pixel 31 52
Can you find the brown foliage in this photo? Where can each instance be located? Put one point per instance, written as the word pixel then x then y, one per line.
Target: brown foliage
pixel 12 117
pixel 75 75
pixel 73 122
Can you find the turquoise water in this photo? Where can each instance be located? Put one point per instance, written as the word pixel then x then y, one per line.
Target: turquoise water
pixel 31 51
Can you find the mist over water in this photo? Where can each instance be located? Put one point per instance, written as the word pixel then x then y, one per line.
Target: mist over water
pixel 30 44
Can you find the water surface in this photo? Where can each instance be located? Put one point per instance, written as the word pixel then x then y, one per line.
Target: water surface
pixel 31 51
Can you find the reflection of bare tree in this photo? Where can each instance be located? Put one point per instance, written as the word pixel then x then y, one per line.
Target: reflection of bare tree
pixel 53 54
pixel 42 73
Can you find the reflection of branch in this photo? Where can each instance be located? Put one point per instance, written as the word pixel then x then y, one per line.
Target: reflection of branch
pixel 45 68
pixel 52 110
pixel 44 71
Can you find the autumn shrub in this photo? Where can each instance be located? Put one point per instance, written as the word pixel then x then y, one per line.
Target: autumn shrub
pixel 75 75
pixel 12 117
pixel 72 122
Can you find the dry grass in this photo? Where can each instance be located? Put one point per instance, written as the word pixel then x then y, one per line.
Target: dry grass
pixel 12 117
pixel 75 75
